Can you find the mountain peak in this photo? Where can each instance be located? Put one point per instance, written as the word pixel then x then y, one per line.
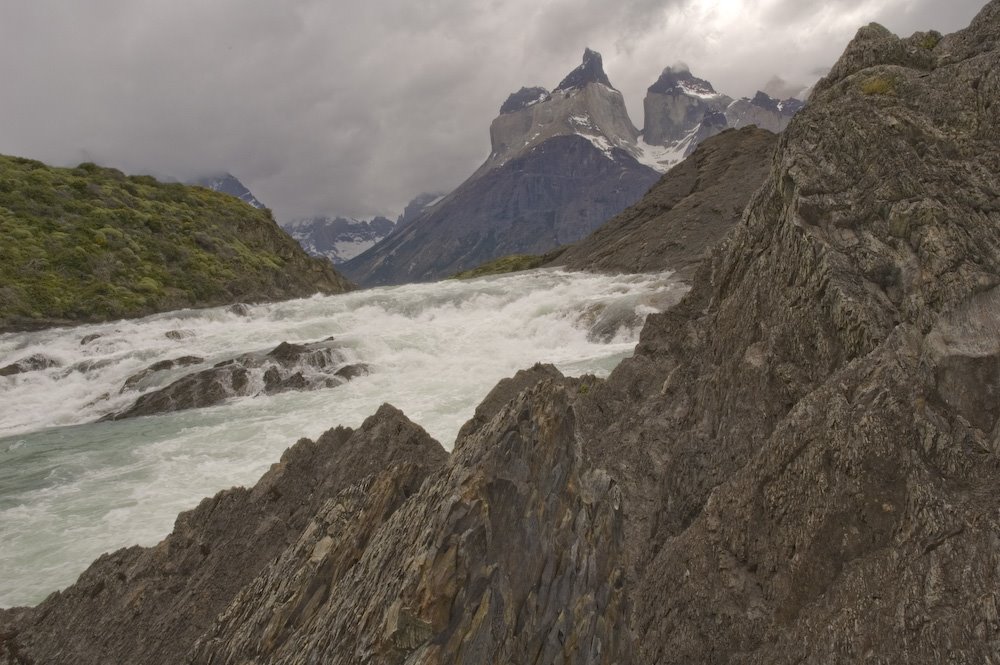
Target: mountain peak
pixel 590 71
pixel 524 98
pixel 227 183
pixel 765 101
pixel 680 79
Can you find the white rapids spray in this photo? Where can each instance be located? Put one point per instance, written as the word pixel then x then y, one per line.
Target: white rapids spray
pixel 71 488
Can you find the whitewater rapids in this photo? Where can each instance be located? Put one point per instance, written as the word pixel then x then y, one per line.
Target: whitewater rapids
pixel 71 488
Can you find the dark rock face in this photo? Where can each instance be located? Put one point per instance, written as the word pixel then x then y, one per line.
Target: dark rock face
pixel 799 464
pixel 674 78
pixel 814 451
pixel 30 364
pixel 136 381
pixel 555 194
pixel 590 71
pixel 287 367
pixel 432 583
pixel 171 593
pixel 415 208
pixel 685 214
pixel 524 98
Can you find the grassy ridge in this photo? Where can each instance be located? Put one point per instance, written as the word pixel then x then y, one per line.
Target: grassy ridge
pixel 508 264
pixel 90 244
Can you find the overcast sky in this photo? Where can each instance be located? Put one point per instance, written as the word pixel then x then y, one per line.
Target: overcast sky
pixel 327 106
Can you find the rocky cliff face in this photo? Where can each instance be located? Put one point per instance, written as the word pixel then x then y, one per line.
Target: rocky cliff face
pixel 173 592
pixel 583 104
pixel 556 193
pixel 798 465
pixel 676 105
pixel 684 214
pixel 561 164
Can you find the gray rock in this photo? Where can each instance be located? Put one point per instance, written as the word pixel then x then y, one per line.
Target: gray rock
pixel 137 380
pixel 171 593
pixel 763 111
pixel 287 367
pixel 558 168
pixel 239 309
pixel 32 363
pixel 509 553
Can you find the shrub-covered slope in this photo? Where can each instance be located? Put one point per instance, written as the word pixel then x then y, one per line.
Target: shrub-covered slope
pixel 90 243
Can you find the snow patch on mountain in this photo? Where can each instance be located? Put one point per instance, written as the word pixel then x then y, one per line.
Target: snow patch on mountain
pixel 338 239
pixel 662 158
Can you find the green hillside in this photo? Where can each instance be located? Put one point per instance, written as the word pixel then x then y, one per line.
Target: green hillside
pixel 91 244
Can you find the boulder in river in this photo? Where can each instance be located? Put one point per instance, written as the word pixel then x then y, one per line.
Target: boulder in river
pixel 32 363
pixel 287 367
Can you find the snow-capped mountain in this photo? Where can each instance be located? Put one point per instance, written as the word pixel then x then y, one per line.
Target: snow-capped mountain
pixel 583 104
pixel 338 239
pixel 227 183
pixel 764 111
pixel 682 110
pixel 561 163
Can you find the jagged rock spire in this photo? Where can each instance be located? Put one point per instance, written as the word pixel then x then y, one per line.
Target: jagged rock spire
pixel 590 71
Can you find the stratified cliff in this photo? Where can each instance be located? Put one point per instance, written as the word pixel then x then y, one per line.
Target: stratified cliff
pixel 799 464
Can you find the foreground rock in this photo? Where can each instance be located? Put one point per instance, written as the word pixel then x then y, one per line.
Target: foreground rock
pixel 799 464
pixel 808 463
pixel 687 212
pixel 148 605
pixel 287 367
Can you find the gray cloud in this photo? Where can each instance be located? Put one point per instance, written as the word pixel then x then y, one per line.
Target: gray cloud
pixel 331 107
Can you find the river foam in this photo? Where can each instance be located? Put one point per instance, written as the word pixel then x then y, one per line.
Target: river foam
pixel 71 488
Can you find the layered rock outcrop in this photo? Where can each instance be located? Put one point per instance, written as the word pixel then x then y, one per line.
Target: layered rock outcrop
pixel 798 465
